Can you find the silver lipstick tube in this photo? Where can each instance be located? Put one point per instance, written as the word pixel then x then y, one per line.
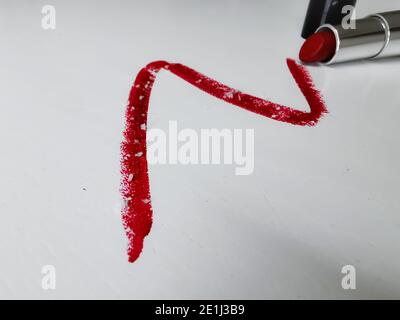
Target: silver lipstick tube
pixel 375 36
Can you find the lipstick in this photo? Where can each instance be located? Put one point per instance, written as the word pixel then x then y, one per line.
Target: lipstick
pixel 375 36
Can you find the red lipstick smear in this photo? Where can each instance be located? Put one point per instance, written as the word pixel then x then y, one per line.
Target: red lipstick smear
pixel 137 212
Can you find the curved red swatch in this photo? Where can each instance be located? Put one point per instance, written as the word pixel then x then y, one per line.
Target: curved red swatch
pixel 135 189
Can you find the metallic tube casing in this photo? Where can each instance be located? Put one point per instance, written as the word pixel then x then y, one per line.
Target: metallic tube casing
pixel 375 36
pixel 392 23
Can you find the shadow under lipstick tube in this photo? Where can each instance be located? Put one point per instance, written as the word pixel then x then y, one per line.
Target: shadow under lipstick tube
pixel 375 36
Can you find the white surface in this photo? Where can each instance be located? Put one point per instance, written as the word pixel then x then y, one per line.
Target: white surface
pixel 319 198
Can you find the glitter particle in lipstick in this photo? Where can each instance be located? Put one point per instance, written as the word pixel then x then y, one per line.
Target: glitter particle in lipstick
pixel 137 212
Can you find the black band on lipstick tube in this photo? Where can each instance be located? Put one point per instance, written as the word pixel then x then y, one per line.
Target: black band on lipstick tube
pixel 321 12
